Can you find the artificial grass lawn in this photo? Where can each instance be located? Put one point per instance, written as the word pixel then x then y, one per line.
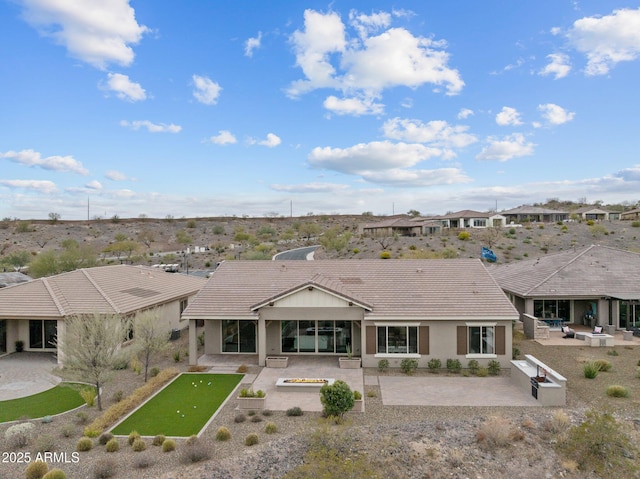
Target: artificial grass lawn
pixel 183 407
pixel 61 398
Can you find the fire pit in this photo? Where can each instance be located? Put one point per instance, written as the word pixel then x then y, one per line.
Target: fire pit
pixel 302 383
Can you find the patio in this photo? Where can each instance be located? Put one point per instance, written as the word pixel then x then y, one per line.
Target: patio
pixel 24 374
pixel 556 338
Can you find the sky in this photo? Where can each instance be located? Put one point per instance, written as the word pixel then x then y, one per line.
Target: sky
pixel 251 108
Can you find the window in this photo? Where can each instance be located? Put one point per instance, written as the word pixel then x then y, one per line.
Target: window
pixel 480 223
pixel 325 336
pixel 397 340
pixel 3 336
pixel 238 336
pixel 552 308
pixel 183 305
pixel 42 333
pixel 481 340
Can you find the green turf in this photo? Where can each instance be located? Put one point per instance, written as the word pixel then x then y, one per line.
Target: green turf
pixel 183 407
pixel 61 398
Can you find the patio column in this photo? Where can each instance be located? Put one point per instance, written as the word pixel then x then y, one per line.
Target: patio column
pixel 193 343
pixel 262 341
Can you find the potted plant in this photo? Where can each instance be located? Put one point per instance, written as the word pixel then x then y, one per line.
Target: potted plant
pixel 358 402
pixel 19 346
pixel 277 361
pixel 349 362
pixel 250 399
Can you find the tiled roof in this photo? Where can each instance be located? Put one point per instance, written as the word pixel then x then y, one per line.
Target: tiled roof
pixel 531 210
pixel 592 271
pixel 107 289
pixel 394 289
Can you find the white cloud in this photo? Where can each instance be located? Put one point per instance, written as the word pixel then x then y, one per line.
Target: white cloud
pixel 629 174
pixel 224 137
pixel 54 163
pixel 252 44
pixel 554 114
pixel 124 88
pixel 94 185
pixel 40 186
pixel 206 90
pixel 115 175
pixel 353 106
pixel 607 40
pixel 437 133
pixel 417 178
pixel 151 127
pixel 465 113
pixel 559 66
pixel 310 188
pixel 364 67
pixel 512 146
pixel 271 141
pixel 96 32
pixel 508 117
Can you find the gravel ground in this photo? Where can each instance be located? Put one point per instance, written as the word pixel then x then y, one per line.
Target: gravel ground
pixel 402 442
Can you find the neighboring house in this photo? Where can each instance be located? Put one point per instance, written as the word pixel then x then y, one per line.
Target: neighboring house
pixel 403 226
pixel 534 213
pixel 471 219
pixel 8 279
pixel 631 215
pixel 34 312
pixel 594 213
pixel 380 309
pixel 593 285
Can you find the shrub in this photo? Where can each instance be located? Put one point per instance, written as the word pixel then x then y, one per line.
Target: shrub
pixel 473 366
pixel 590 369
pixel 84 444
pixel 36 469
pixel 19 435
pixel 357 395
pixel 91 432
pixel 139 445
pixel 47 420
pixel 143 461
pixel 270 428
pixel 612 352
pixel 372 394
pixel 242 369
pixel 168 445
pixel 68 430
pixel 250 393
pixel 256 418
pixel 44 443
pixel 104 468
pixel 464 236
pixel 454 365
pixel 336 398
pixel 104 438
pixel 495 432
pixel 294 411
pixel 194 451
pixel 240 418
pixel 153 372
pixel 600 444
pixel 89 396
pixel 82 417
pixel 158 440
pixel 118 395
pixel 408 366
pixel 558 423
pixel 434 364
pixel 603 365
pixel 223 434
pixel 133 435
pixel 494 367
pixel 112 445
pixel 617 391
pixel 383 365
pixel 635 224
pixel 267 412
pixel 55 474
pixel 251 440
pixel 482 372
pixel 385 255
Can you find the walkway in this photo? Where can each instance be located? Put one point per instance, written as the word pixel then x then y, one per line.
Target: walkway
pixel 24 374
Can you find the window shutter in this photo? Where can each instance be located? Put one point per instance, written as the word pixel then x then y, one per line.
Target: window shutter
pixel 500 340
pixel 371 339
pixel 423 339
pixel 462 340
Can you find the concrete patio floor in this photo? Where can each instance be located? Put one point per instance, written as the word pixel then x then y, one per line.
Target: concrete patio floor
pixel 556 338
pixel 24 374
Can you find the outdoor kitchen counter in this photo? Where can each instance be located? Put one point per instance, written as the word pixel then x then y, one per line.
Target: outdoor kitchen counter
pixel 550 391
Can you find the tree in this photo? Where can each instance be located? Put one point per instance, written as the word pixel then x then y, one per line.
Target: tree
pixel 151 336
pixel 335 239
pixel 336 398
pixel 413 213
pixel 17 260
pixel 147 237
pixel 309 229
pixel 90 347
pixel 54 218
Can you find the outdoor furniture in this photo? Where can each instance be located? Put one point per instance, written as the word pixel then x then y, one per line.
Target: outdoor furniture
pixel 597 330
pixel 568 332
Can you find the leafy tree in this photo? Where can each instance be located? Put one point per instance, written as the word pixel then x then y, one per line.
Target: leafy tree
pixel 90 347
pixel 335 239
pixel 147 237
pixel 17 260
pixel 151 336
pixel 45 264
pixel 309 229
pixel 413 213
pixel 336 398
pixel 54 218
pixel 183 237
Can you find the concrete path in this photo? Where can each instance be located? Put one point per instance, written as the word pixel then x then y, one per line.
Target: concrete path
pixel 24 374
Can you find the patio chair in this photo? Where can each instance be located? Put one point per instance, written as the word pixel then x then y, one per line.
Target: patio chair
pixel 568 332
pixel 597 330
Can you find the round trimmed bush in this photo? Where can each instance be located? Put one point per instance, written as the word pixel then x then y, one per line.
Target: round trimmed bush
pixel 112 445
pixel 36 469
pixel 139 445
pixel 385 255
pixel 271 428
pixel 240 418
pixel 223 434
pixel 133 435
pixel 168 445
pixel 603 365
pixel 158 440
pixel 55 474
pixel 617 391
pixel 104 468
pixel 294 411
pixel 104 438
pixel 84 444
pixel 251 440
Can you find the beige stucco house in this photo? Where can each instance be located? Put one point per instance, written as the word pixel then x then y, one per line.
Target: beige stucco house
pixel 377 309
pixel 34 312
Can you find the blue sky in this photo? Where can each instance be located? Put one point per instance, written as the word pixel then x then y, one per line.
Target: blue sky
pixel 209 108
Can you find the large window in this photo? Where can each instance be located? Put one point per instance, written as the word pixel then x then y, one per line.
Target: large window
pixel 552 309
pixel 397 340
pixel 315 336
pixel 42 334
pixel 3 336
pixel 238 336
pixel 481 340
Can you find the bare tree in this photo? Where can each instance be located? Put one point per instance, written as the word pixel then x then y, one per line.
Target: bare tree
pixel 91 347
pixel 151 336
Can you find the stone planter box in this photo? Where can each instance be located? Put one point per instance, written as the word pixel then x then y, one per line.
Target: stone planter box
pixel 350 363
pixel 251 403
pixel 277 361
pixel 358 405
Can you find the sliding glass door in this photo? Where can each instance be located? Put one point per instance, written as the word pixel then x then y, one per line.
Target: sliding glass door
pixel 325 336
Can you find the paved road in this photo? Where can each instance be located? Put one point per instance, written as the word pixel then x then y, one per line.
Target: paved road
pixel 305 253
